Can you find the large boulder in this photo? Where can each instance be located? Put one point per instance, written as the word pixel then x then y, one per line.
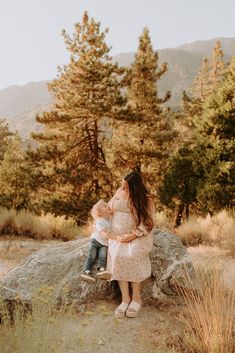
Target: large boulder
pixel 60 266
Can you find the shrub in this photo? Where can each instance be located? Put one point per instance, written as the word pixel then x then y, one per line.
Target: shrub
pixel 211 230
pixel 46 226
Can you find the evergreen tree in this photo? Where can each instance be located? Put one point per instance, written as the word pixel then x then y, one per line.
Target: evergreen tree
pixel 187 171
pixel 206 81
pixel 216 145
pixel 179 189
pixel 4 137
pixel 141 138
pixel 16 177
pixel 72 146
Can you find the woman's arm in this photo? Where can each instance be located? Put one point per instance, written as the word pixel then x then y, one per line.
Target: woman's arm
pixel 126 238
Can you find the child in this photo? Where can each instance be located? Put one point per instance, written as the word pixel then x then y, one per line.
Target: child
pixel 101 213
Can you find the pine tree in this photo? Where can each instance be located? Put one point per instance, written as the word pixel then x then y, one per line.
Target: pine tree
pixel 4 137
pixel 175 192
pixel 16 177
pixel 142 137
pixel 180 184
pixel 206 81
pixel 216 145
pixel 72 145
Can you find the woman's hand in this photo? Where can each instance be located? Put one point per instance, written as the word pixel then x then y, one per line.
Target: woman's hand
pixel 126 238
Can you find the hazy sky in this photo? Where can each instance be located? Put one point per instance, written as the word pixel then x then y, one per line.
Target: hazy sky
pixel 32 45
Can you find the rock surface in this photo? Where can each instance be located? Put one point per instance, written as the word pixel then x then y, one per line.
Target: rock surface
pixel 60 266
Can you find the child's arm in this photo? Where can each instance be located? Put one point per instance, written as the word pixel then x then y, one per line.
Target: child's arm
pixel 109 235
pixel 104 229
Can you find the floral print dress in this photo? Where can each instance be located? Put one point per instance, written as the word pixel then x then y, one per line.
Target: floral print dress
pixel 128 261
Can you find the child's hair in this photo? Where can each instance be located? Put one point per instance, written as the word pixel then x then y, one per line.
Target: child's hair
pixel 95 209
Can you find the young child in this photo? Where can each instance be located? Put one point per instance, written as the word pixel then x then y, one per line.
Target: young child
pixel 101 213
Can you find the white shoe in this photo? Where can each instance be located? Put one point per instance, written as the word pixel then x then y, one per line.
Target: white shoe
pixel 133 309
pixel 121 310
pixel 103 275
pixel 88 277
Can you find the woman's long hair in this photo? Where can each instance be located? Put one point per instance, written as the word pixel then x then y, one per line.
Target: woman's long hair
pixel 139 199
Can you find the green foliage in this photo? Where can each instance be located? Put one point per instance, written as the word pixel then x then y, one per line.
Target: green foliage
pixel 206 81
pixel 16 177
pixel 204 173
pixel 4 137
pixel 216 142
pixel 179 189
pixel 71 151
pixel 141 139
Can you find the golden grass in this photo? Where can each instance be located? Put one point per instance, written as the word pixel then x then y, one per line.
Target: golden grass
pixel 39 331
pixel 162 221
pixel 212 230
pixel 46 226
pixel 209 315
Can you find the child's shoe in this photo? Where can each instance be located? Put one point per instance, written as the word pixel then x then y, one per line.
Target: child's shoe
pixel 103 274
pixel 87 276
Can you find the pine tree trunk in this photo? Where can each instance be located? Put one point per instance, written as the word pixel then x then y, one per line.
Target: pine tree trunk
pixel 187 211
pixel 179 215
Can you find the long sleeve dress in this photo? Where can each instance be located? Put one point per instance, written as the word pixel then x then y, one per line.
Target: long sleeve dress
pixel 128 261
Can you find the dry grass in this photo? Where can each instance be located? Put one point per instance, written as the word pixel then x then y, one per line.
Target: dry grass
pixel 213 230
pixel 46 226
pixel 210 314
pixel 37 331
pixel 162 221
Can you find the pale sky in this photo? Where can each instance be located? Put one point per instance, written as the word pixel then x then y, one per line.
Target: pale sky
pixel 32 45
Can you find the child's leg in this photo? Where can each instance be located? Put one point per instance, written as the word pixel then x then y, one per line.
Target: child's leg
pixel 102 256
pixel 92 254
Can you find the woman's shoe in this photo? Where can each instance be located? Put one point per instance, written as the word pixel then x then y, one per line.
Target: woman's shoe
pixel 121 310
pixel 133 309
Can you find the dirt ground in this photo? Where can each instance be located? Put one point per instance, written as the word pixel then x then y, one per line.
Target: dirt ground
pixel 95 329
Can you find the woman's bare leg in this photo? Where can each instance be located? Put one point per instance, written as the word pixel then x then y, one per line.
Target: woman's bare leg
pixel 136 296
pixel 124 287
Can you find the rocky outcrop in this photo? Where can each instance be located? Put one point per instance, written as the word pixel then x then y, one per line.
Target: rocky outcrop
pixel 60 266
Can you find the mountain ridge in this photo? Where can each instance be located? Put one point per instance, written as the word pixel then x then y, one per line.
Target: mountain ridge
pixel 19 104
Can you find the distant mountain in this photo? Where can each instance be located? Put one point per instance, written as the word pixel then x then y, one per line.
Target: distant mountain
pixel 20 104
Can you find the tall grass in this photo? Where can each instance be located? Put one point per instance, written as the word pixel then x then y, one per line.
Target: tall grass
pixel 212 230
pixel 210 314
pixel 46 226
pixel 163 221
pixel 39 331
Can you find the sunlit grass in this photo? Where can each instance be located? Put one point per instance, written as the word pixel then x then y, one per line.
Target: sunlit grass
pixel 212 230
pixel 209 315
pixel 40 330
pixel 46 226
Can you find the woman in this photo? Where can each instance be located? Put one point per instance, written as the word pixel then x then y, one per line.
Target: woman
pixel 131 241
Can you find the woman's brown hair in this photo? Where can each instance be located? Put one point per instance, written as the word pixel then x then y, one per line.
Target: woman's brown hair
pixel 140 200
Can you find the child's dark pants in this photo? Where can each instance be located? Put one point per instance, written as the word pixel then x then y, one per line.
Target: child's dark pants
pixel 95 249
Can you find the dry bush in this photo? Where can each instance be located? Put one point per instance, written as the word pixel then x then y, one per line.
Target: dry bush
pixel 7 220
pixel 162 221
pixel 212 230
pixel 57 227
pixel 24 223
pixel 46 226
pixel 209 315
